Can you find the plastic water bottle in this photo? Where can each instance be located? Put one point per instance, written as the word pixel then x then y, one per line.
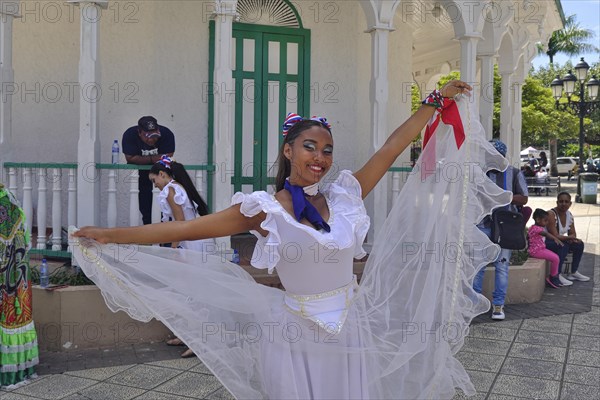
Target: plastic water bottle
pixel 44 275
pixel 235 258
pixel 115 152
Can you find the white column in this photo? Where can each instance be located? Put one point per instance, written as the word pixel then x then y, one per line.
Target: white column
pixel 486 95
pixel 8 11
pixel 223 109
pixel 468 58
pixel 514 142
pixel 378 94
pixel 88 147
pixel 506 107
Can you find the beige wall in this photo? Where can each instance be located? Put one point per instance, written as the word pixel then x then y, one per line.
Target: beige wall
pixel 154 60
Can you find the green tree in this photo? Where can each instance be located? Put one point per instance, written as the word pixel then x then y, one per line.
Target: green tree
pixel 416 97
pixel 571 40
pixel 542 122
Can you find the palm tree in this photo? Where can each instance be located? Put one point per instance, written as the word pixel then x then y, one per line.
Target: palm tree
pixel 571 40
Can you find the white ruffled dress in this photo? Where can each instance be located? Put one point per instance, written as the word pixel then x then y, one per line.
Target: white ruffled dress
pixel 394 336
pixel 189 212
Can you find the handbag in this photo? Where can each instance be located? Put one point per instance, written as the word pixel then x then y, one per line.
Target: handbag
pixel 508 227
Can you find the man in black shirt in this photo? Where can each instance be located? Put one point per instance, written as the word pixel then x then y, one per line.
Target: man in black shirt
pixel 144 144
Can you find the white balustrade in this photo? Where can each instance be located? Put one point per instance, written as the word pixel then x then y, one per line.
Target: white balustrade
pixel 72 201
pixel 27 197
pixel 134 213
pixel 12 180
pixel 396 177
pixel 41 209
pixel 56 209
pixel 111 209
pixel 200 180
pixel 155 215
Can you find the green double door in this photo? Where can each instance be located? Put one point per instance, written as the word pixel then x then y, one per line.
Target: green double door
pixel 271 75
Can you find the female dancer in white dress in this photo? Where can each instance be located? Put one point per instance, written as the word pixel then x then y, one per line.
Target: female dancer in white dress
pixel 325 337
pixel 175 199
pixel 178 198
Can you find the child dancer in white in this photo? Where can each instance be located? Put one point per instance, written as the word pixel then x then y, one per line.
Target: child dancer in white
pixel 175 199
pixel 178 198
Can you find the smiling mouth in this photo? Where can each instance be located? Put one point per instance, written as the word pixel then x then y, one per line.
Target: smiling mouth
pixel 316 168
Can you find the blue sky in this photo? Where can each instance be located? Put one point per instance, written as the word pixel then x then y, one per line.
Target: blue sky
pixel 588 15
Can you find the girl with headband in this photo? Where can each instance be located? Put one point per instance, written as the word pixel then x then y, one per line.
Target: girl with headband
pixel 178 198
pixel 325 336
pixel 179 201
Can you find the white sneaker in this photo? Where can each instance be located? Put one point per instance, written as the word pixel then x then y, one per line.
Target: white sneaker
pixel 577 276
pixel 564 281
pixel 498 313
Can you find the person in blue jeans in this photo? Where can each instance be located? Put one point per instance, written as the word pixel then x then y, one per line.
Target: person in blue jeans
pixel 561 224
pixel 515 178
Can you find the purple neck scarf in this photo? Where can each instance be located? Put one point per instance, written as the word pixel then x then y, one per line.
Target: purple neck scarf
pixel 303 208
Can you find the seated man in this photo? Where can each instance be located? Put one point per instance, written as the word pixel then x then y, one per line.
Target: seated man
pixel 562 225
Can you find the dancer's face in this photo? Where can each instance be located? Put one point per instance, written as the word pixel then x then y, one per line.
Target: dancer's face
pixel 563 203
pixel 311 156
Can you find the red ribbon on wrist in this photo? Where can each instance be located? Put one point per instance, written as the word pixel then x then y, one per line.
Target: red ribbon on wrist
pixel 449 115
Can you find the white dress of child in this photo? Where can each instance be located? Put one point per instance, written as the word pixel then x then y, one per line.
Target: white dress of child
pixel 393 336
pixel 189 212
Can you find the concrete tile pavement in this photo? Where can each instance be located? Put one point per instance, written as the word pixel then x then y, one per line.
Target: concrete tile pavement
pixel 552 352
pixel 550 349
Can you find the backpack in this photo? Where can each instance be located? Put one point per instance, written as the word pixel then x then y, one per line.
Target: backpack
pixel 508 226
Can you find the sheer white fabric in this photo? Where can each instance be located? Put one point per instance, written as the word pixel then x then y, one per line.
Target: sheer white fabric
pixel 189 212
pixel 397 332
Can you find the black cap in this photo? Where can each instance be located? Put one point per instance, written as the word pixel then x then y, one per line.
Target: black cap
pixel 149 125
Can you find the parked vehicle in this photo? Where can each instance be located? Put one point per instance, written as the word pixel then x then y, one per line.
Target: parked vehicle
pixel 525 160
pixel 565 165
pixel 595 164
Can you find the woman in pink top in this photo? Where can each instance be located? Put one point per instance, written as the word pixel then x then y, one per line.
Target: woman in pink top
pixel 537 246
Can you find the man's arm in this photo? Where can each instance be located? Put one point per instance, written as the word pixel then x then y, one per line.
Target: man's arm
pixel 144 160
pixel 520 192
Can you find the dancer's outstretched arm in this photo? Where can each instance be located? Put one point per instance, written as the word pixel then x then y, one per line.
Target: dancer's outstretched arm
pixel 398 141
pixel 225 223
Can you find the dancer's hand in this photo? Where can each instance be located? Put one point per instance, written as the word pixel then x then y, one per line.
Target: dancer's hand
pixel 93 232
pixel 455 87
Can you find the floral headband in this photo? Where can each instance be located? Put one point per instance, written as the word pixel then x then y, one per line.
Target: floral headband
pixel 293 118
pixel 165 161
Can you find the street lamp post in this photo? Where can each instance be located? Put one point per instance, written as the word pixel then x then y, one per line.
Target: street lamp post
pixel 581 108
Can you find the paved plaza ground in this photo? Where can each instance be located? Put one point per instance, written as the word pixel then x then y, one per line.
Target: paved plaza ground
pixel 546 350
